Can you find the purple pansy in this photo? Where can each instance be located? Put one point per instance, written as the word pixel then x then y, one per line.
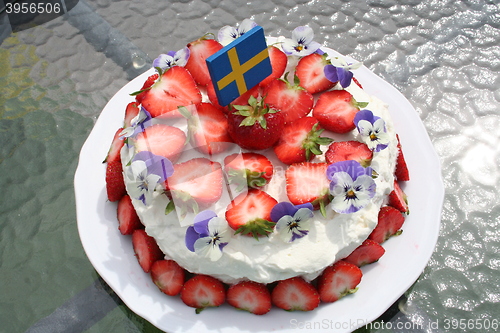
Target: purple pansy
pixel 372 130
pixel 137 124
pixel 292 222
pixel 172 58
pixel 351 186
pixel 227 34
pixel 340 71
pixel 301 43
pixel 208 235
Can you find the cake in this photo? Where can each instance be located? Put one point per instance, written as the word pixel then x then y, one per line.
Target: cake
pixel 292 184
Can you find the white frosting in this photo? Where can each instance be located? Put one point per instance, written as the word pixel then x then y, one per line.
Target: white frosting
pixel 269 258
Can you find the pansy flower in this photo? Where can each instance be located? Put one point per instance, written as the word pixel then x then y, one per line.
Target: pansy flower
pixel 292 222
pixel 351 186
pixel 172 58
pixel 340 71
pixel 227 34
pixel 208 235
pixel 137 124
pixel 145 172
pixel 372 130
pixel 301 43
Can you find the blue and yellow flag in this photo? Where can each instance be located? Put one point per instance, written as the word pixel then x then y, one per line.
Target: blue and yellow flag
pixel 239 66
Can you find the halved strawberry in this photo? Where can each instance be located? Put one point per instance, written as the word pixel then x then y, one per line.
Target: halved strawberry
pixel 131 111
pixel 115 186
pixel 311 72
pixel 368 252
pixel 295 294
pixel 398 199
pixel 168 276
pixel 146 250
pixel 128 221
pixel 307 182
pixel 250 296
pixel 390 221
pixel 338 280
pixel 203 291
pixel 115 148
pixel 161 140
pixel 175 88
pixel 349 150
pixel 198 179
pixel 279 61
pixel 335 111
pixel 208 129
pixel 291 99
pixel 199 51
pixel 248 169
pixel 250 213
pixel 146 86
pixel 401 172
pixel 300 141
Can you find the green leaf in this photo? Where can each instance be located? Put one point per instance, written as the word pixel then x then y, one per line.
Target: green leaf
pixel 263 122
pixel 170 208
pixel 248 121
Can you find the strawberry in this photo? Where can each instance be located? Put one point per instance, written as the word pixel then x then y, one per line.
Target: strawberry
pixel 390 221
pixel 357 82
pixel 139 96
pixel 368 252
pixel 279 61
pixel 131 111
pixel 198 179
pixel 335 111
pixel 338 280
pixel 241 100
pixel 300 141
pixel 255 126
pixel 199 51
pixel 128 221
pixel 161 140
pixel 349 150
pixel 146 250
pixel 248 169
pixel 307 182
pixel 115 186
pixel 398 199
pixel 115 148
pixel 293 100
pixel 310 71
pixel 208 129
pixel 401 172
pixel 250 213
pixel 250 296
pixel 203 291
pixel 168 276
pixel 295 294
pixel 175 88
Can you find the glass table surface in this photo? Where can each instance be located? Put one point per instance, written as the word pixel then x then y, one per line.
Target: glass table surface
pixel 58 73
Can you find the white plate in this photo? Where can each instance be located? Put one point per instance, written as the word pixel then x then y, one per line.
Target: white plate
pixel 382 284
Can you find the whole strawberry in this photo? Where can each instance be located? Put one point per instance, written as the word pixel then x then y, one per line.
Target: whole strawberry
pixel 255 126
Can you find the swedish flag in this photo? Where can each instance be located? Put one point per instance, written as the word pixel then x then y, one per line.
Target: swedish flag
pixel 239 66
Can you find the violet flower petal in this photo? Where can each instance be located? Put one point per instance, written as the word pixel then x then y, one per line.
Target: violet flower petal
pixel 191 237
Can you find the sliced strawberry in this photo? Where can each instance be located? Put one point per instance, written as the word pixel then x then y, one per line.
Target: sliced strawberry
pixel 295 294
pixel 168 276
pixel 338 280
pixel 175 88
pixel 128 221
pixel 203 291
pixel 199 51
pixel 199 179
pixel 349 150
pixel 250 296
pixel 131 111
pixel 115 148
pixel 248 169
pixel 161 140
pixel 241 100
pixel 291 99
pixel 368 252
pixel 390 221
pixel 147 85
pixel 401 172
pixel 357 82
pixel 146 250
pixel 335 111
pixel 115 186
pixel 279 61
pixel 311 72
pixel 398 199
pixel 250 213
pixel 300 141
pixel 307 182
